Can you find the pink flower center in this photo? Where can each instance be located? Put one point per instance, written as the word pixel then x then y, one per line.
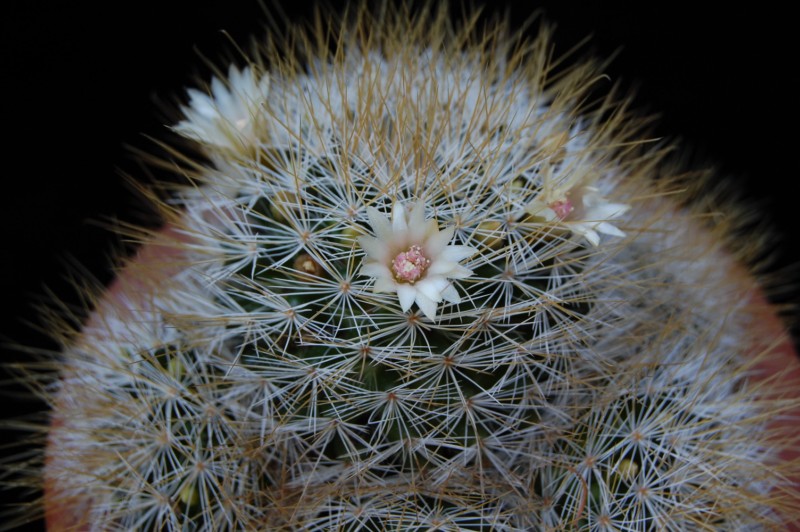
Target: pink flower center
pixel 562 208
pixel 409 265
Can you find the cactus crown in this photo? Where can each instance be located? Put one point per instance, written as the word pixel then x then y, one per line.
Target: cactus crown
pixel 416 291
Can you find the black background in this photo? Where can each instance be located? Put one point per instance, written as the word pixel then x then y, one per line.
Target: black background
pixel 81 82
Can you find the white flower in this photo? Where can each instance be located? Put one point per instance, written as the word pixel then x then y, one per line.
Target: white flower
pixel 410 256
pixel 580 209
pixel 227 116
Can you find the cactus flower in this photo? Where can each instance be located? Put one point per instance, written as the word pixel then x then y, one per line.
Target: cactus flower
pixel 227 117
pixel 581 209
pixel 409 255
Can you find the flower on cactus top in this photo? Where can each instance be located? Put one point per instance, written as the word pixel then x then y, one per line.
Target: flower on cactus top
pixel 227 116
pixel 581 209
pixel 410 256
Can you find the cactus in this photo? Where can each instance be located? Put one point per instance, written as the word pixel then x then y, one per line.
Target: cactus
pixel 423 279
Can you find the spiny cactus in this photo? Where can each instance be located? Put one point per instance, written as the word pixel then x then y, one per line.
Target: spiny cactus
pixel 422 280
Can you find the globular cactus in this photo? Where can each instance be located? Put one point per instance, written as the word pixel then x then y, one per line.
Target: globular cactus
pixel 421 279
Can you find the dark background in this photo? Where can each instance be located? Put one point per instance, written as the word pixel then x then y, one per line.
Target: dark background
pixel 79 83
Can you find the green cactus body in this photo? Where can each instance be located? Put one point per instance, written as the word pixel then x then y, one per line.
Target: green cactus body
pixel 420 284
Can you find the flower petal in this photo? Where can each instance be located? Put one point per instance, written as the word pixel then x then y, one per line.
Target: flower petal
pixel 449 269
pixel 606 211
pixel 380 224
pixel 438 240
pixel 586 231
pixel 399 223
pixel 460 272
pixel 416 216
pixel 608 229
pixel 431 287
pixel 458 253
pixel 375 248
pixel 442 268
pixel 384 284
pixel 451 294
pixel 427 306
pixel 539 209
pixel 375 269
pixel 406 293
pixel 201 103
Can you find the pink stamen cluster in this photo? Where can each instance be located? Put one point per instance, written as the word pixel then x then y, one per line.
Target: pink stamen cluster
pixel 409 265
pixel 562 208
